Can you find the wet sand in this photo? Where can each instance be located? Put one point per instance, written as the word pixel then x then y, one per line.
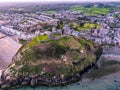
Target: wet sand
pixel 8 48
pixel 111 57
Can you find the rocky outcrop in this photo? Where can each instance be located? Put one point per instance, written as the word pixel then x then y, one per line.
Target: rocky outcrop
pixel 52 63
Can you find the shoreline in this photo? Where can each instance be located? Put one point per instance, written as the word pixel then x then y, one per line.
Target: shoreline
pixel 78 79
pixel 75 79
pixel 85 83
pixel 35 81
pixel 7 50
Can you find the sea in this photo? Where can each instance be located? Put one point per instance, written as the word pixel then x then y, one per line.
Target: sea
pixel 109 82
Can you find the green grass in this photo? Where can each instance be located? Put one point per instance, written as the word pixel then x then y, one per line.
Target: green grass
pixel 30 70
pixel 91 11
pixel 87 26
pixel 83 42
pixel 65 69
pixel 57 35
pixel 50 11
pixel 38 39
pixel 30 56
pixel 57 50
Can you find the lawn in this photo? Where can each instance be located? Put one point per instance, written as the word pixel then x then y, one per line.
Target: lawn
pixel 86 26
pixel 38 39
pixel 50 11
pixel 90 11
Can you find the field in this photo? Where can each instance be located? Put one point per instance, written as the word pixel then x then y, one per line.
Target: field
pixel 38 39
pixel 90 11
pixel 50 11
pixel 86 26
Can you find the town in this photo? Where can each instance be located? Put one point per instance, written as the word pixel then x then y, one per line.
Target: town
pixel 25 26
pixel 56 44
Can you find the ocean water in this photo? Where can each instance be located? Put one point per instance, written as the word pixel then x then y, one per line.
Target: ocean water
pixel 110 82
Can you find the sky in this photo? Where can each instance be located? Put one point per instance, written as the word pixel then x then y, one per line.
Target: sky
pixel 55 0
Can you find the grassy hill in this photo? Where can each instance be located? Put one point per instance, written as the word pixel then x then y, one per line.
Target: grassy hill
pixel 54 59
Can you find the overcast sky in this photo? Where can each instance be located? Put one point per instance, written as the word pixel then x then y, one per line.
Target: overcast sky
pixel 55 0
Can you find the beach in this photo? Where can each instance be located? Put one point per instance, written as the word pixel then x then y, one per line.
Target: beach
pixel 8 48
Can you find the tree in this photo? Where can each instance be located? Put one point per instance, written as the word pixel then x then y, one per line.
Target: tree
pixel 81 24
pixel 53 15
pixel 60 24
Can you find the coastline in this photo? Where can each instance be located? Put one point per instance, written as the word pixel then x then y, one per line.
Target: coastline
pixel 11 79
pixel 36 81
pixel 7 50
pixel 42 81
pixel 77 79
pixel 108 82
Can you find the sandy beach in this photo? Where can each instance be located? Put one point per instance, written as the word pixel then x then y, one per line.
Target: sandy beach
pixel 8 48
